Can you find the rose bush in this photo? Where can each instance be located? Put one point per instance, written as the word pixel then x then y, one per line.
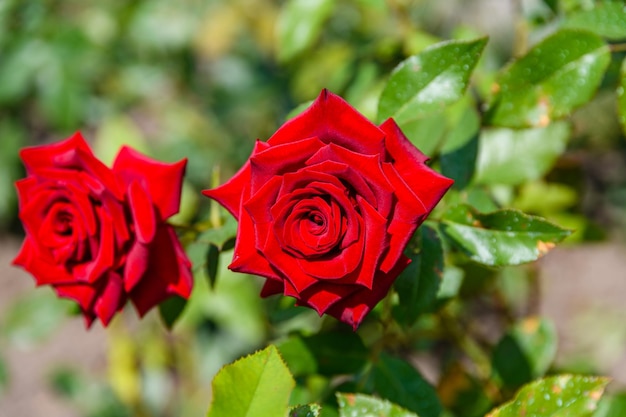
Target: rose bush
pixel 98 235
pixel 327 206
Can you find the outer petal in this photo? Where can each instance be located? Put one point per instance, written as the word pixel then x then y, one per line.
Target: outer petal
pixel 45 156
pixel 163 182
pixel 168 272
pixel 332 119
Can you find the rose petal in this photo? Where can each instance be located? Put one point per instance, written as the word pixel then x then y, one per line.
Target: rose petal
pixel 142 210
pixel 168 272
pixel 44 271
pixel 111 298
pixel 161 181
pixel 43 156
pixel 332 120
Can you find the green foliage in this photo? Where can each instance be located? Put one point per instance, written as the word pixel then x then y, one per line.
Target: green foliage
pixel 606 19
pixel 258 385
pixel 512 157
pixel 171 309
pixel 505 237
pixel 419 283
pixel 556 76
pixel 309 410
pixel 556 396
pixel 365 405
pixel 525 352
pixel 399 382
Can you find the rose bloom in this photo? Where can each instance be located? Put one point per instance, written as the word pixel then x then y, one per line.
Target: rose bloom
pixel 98 235
pixel 327 206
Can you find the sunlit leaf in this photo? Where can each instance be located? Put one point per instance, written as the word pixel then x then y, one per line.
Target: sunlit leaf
pixel 399 382
pixel 352 405
pixel 504 237
pixel 562 395
pixel 258 385
pixel 606 19
pixel 299 24
pixel 556 76
pixel 508 156
pixel 526 351
pixel 430 80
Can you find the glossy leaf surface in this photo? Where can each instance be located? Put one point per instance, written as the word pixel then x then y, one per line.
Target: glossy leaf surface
pixel 352 405
pixel 606 19
pixel 504 237
pixel 308 410
pixel 558 396
pixel 430 80
pixel 556 76
pixel 508 156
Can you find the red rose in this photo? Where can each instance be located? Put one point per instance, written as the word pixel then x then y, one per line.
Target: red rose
pixel 98 235
pixel 326 207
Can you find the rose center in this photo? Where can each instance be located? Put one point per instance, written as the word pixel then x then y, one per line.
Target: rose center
pixel 63 224
pixel 316 218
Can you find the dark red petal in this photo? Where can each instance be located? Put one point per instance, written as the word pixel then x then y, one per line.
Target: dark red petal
pixel 111 298
pixel 142 210
pixel 44 156
pixel 323 295
pixel 136 265
pixel 403 153
pixel 105 256
pixel 333 120
pixel 84 294
pixel 353 309
pixel 231 193
pixel 161 181
pixel 272 287
pixel 44 271
pixel 168 272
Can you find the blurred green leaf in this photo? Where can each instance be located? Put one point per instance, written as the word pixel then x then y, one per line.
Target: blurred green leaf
pixel 12 137
pixel 259 385
pixel 297 355
pixel 418 285
pixel 308 410
pixel 526 351
pixel 171 309
pixel 399 382
pixel 299 25
pixel 34 317
pixel 612 406
pixel 556 76
pixel 212 263
pixel 4 375
pixel 426 133
pixel 115 132
pixel 606 19
pixel 352 405
pixel 337 352
pixel 430 80
pixel 450 283
pixel 504 237
pixel 542 197
pixel 621 97
pixel 507 156
pixel 563 395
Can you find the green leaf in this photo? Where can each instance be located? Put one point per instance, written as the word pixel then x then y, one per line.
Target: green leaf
pixel 606 19
pixel 337 352
pixel 418 285
pixel 308 410
pixel 364 405
pixel 504 237
pixel 429 81
pixel 612 406
pixel 401 383
pixel 556 76
pixel 297 356
pixel 299 25
pixel 526 351
pixel 4 375
pixel 258 385
pixel 115 132
pixel 563 395
pixel 171 309
pixel 507 156
pixel 621 97
pixel 460 149
pixel 212 263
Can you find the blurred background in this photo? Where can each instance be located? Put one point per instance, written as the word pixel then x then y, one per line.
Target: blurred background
pixel 203 79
